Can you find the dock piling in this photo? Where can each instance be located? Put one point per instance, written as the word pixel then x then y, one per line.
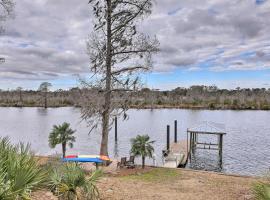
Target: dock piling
pixel 175 131
pixel 190 144
pixel 220 147
pixel 168 137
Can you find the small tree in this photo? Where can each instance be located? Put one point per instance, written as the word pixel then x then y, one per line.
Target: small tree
pixel 44 88
pixel 62 134
pixel 142 146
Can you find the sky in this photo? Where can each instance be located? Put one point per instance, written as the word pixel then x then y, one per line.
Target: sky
pixel 211 42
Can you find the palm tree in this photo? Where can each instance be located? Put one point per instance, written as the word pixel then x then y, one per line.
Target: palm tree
pixel 62 134
pixel 44 88
pixel 70 182
pixel 142 146
pixel 20 173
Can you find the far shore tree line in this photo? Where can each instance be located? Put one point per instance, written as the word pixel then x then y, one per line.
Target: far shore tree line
pixel 209 97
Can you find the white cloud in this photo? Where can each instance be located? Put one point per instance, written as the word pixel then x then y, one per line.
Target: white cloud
pixel 46 40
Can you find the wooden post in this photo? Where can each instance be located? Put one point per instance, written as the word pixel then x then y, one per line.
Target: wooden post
pixel 175 131
pixel 115 129
pixel 196 139
pixel 168 137
pixel 220 146
pixel 193 139
pixel 190 144
pixel 187 145
pixel 189 134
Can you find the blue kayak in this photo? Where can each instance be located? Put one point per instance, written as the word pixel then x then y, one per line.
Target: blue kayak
pixel 94 160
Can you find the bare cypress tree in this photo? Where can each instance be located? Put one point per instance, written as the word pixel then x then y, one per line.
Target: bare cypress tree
pixel 118 53
pixel 6 11
pixel 19 90
pixel 44 88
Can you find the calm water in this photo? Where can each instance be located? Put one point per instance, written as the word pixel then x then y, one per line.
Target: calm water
pixel 246 146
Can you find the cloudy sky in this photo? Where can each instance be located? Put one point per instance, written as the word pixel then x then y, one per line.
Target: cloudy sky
pixel 221 42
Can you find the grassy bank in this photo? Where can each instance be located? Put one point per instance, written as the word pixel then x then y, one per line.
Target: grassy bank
pixel 174 184
pixel 170 184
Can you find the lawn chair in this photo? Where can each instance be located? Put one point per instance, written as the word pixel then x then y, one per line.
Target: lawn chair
pixel 131 162
pixel 122 163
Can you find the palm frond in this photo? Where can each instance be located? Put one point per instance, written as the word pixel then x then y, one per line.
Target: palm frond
pixel 19 171
pixel 71 182
pixel 261 191
pixel 62 134
pixel 141 146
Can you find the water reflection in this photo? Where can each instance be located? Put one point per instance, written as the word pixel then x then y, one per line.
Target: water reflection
pixel 116 150
pixel 42 111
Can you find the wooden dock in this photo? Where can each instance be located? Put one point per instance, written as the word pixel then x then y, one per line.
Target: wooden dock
pixel 178 155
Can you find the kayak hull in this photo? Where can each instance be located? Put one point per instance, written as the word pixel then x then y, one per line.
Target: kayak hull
pixel 105 158
pixel 94 160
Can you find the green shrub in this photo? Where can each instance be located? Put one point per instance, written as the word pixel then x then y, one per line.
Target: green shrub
pixel 159 102
pixel 137 103
pixel 20 173
pixel 70 182
pixel 227 102
pixel 261 191
pixel 212 105
pixel 235 102
pixel 265 107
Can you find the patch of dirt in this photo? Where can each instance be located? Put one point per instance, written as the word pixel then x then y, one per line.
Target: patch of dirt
pixel 190 185
pixel 43 195
pixel 134 171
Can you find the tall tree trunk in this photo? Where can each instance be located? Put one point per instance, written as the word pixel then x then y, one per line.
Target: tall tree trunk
pixel 45 100
pixel 64 149
pixel 107 106
pixel 143 161
pixel 21 96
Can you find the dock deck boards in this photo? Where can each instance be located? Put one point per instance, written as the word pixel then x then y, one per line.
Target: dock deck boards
pixel 178 155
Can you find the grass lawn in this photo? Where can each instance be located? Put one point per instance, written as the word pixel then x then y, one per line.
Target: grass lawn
pixel 155 175
pixel 175 184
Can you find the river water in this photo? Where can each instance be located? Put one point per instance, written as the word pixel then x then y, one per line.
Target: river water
pixel 246 146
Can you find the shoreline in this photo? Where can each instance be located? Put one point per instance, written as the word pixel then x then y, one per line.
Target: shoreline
pixel 45 159
pixel 156 107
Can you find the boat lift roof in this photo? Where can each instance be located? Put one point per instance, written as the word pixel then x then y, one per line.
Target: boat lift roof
pixel 206 127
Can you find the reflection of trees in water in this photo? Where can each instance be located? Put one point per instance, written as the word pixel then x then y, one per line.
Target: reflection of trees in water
pixel 42 111
pixel 116 150
pixel 205 160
